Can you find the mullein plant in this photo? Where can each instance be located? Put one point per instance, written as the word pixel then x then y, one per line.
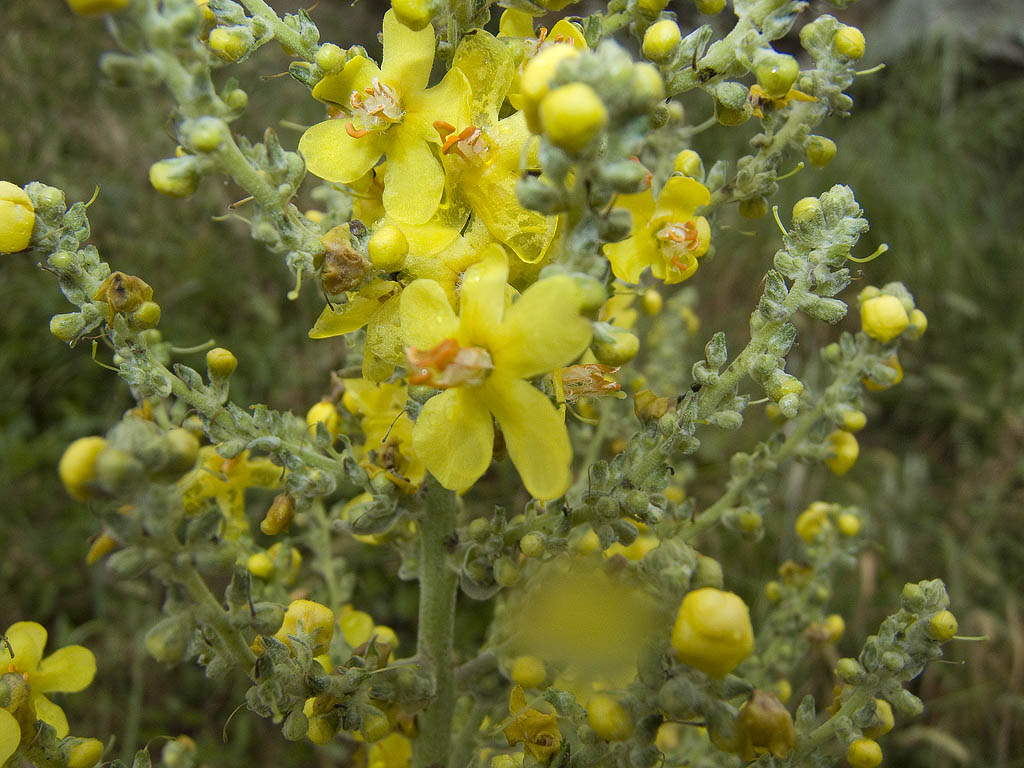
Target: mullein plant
pixel 504 208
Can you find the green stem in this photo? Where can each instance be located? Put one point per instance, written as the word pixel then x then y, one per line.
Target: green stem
pixel 827 730
pixel 438 587
pixel 214 614
pixel 285 35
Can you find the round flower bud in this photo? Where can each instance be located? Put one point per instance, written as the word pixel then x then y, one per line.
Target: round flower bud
pixel 854 420
pixel 230 43
pixel 536 80
pixel 388 248
pixel 848 524
pixel 755 208
pixel 506 572
pixel 647 82
pixel 943 626
pixel 17 218
pixel 608 718
pixel 918 324
pixel 783 689
pixel 236 99
pixel 652 301
pixel 712 631
pixel 220 363
pixel 66 327
pixel 317 621
pixel 766 724
pixel 84 753
pixel 884 716
pixel 883 318
pixel 622 348
pixel 77 467
pixel 689 164
pixel 528 671
pixel 260 565
pixel 330 58
pixel 813 521
pixel 806 211
pixel 776 73
pixel 835 626
pixel 572 116
pixel 773 591
pixel 325 413
pixel 710 7
pixel 890 380
pixel 206 134
pixel 819 150
pixel 375 726
pixel 174 177
pixel 147 315
pixel 661 39
pixel 414 14
pixel 532 544
pixel 850 671
pixel 864 753
pixel 96 7
pixel 652 7
pixel 848 42
pixel 844 452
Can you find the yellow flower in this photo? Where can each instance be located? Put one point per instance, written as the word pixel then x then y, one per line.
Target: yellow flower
pixel 387 427
pixel 536 730
pixel 712 632
pixel 609 718
pixel 67 670
pixel 843 451
pixel 225 481
pixel 393 751
pixel 760 100
pixel 389 111
pixel 482 358
pixel 666 236
pixel 17 218
pixel 883 318
pixel 316 620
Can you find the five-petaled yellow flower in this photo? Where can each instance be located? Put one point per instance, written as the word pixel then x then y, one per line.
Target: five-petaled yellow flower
pixel 389 111
pixel 68 670
pixel 666 235
pixel 482 358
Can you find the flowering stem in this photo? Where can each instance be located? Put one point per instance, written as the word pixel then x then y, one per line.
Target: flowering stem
pixel 285 35
pixel 438 586
pixel 213 612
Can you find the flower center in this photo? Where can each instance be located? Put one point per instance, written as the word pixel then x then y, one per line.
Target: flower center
pixel 589 380
pixel 448 365
pixel 678 242
pixel 471 144
pixel 375 108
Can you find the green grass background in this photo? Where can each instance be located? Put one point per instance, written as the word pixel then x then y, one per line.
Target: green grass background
pixel 933 153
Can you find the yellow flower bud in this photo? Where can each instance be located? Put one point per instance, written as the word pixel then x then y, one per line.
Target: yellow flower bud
pixel 883 318
pixel 17 218
pixel 892 362
pixel 608 718
pixel 532 544
pixel 848 524
pixel 661 39
pixel 854 420
pixel 85 754
pixel 886 721
pixel 849 42
pixel 712 631
pixel 835 626
pixel 175 177
pixel 77 467
pixel 220 363
pixel 260 565
pixel 147 315
pixel 329 57
pixel 414 14
pixel 528 671
pixel 355 625
pixel 864 753
pixel 386 635
pixel 388 248
pixel 918 324
pixel 765 725
pixel 102 545
pixel 689 164
pixel 375 726
pixel 819 150
pixel 755 208
pixel 813 521
pixel 229 43
pixel 647 81
pixel 536 80
pixel 653 7
pixel 96 7
pixel 783 689
pixel 776 73
pixel 572 116
pixel 325 413
pixel 806 210
pixel 652 301
pixel 773 591
pixel 279 516
pixel 943 626
pixel 587 544
pixel 710 7
pixel 317 621
pixel 844 451
pixel 622 348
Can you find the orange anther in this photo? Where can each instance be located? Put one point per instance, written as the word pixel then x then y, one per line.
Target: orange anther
pixel 443 128
pixel 354 132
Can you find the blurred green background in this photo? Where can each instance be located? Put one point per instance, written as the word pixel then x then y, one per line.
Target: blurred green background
pixel 933 153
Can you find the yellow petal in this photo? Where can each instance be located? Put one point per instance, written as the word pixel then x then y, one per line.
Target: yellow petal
pixel 427 317
pixel 449 100
pixel 10 735
pixel 515 23
pixel 414 178
pixel 69 669
pixel 384 332
pixel 331 154
pixel 629 258
pixel 357 74
pixel 542 331
pixel 437 233
pixel 493 198
pixel 482 298
pixel 408 55
pixel 49 713
pixel 569 32
pixel 345 318
pixel 487 64
pixel 680 197
pixel 535 435
pixel 453 436
pixel 28 639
